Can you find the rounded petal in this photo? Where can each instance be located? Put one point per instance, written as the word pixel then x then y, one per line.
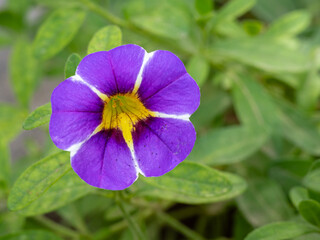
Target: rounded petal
pixel 73 96
pixel 105 161
pixel 76 112
pixel 69 128
pixel 114 71
pixel 126 62
pixel 161 70
pixel 161 144
pixel 95 69
pixel 180 97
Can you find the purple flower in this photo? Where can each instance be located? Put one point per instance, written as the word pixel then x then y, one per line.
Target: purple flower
pixel 125 112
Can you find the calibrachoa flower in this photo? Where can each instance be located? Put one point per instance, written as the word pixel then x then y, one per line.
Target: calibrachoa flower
pixel 125 112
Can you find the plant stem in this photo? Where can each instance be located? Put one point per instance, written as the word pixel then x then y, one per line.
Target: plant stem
pixel 62 230
pixel 136 231
pixel 174 223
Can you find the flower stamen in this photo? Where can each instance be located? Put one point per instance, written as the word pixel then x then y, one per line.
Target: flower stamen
pixel 123 112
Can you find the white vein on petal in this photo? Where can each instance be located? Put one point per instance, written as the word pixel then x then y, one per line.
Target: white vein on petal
pixel 73 149
pixel 146 59
pixel 135 162
pixel 78 78
pixel 184 117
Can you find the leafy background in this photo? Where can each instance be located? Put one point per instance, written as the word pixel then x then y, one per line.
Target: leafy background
pixel 254 172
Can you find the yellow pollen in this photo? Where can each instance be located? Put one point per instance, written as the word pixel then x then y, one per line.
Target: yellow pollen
pixel 123 112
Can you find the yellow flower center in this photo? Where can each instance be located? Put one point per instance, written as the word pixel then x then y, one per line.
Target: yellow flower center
pixel 123 111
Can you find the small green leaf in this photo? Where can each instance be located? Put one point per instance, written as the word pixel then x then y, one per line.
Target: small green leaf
pixel 38 117
pixel 57 31
pixel 310 211
pixel 312 180
pixel 71 65
pixel 279 231
pixel 193 183
pixel 67 189
pixel 289 25
pixel 24 71
pixel 11 119
pixel 253 104
pixel 252 27
pixel 204 6
pixel 264 202
pixel 297 195
pixel 228 145
pixel 231 11
pixel 260 53
pixel 31 235
pixel 198 68
pixel 105 39
pixel 37 179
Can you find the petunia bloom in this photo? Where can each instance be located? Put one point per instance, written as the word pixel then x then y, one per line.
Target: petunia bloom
pixel 125 112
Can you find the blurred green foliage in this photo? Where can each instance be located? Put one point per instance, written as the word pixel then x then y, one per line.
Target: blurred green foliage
pixel 253 173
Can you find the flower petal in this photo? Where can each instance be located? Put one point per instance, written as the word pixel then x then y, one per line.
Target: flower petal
pixel 73 96
pixel 105 161
pixel 161 70
pixel 161 144
pixel 126 62
pixel 113 71
pixel 69 128
pixel 76 112
pixel 180 97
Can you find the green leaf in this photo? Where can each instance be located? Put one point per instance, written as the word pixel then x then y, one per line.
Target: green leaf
pixel 260 53
pixel 23 72
pixel 298 128
pixel 193 183
pixel 297 195
pixel 279 231
pixel 71 65
pixel 252 102
pixel 37 179
pixel 31 235
pixel 264 202
pixel 11 119
pixel 57 31
pixel 166 19
pixel 252 27
pixel 227 145
pixel 38 117
pixel 204 6
pixel 198 68
pixel 231 11
pixel 289 25
pixel 67 189
pixel 312 180
pixel 105 39
pixel 310 211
